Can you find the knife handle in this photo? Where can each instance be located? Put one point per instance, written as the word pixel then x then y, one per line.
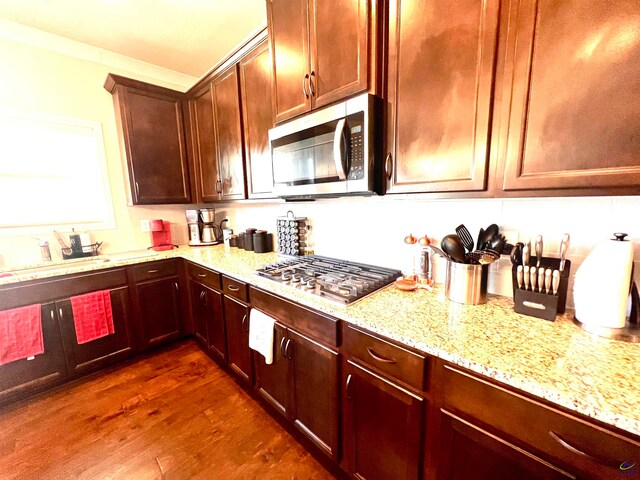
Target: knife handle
pixel 555 282
pixel 520 275
pixel 538 250
pixel 526 253
pixel 526 277
pixel 564 248
pixel 541 285
pixel 533 280
pixel 547 281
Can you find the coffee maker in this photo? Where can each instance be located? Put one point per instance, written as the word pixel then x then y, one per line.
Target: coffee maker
pixel 202 227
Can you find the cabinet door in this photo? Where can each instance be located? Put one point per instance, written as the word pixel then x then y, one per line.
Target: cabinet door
pixel 199 308
pixel 339 42
pixel 156 148
pixel 228 127
pixel 236 319
pixel 467 451
pixel 86 357
pixel 441 71
pixel 289 37
pixel 257 119
pixel 574 74
pixel 215 322
pixel 314 391
pixel 23 377
pixel 159 310
pixel 204 145
pixel 383 424
pixel 272 381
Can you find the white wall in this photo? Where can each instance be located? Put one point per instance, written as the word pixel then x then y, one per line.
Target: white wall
pixel 371 230
pixel 51 75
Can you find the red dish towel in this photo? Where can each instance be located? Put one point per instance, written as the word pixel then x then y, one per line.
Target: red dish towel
pixel 21 333
pixel 92 315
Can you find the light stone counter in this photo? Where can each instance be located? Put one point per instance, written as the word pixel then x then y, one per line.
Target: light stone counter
pixel 557 361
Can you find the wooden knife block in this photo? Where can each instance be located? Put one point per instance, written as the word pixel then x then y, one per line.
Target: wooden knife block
pixel 538 304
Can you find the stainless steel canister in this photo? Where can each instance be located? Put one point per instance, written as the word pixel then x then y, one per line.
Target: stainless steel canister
pixel 466 283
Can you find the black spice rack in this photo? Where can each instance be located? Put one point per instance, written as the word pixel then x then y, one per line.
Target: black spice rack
pixel 68 253
pixel 541 304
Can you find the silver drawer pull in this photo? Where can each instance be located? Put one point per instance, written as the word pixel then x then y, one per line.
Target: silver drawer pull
pixel 153 271
pixel 379 358
pixel 202 275
pixel 234 289
pixel 571 448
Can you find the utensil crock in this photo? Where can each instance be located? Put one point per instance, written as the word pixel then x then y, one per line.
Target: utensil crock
pixel 466 283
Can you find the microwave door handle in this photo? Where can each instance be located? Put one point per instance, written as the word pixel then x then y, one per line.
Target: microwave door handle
pixel 338 151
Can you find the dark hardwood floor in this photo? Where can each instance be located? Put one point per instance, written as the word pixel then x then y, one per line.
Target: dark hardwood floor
pixel 171 415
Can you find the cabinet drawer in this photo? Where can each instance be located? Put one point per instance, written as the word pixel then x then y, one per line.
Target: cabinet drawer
pixel 568 441
pixel 205 276
pixel 235 288
pixel 149 271
pixel 406 366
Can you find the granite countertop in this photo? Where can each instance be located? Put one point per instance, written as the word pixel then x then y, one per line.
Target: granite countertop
pixel 557 361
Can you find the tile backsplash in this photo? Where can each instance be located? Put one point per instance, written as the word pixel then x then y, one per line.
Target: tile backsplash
pixel 372 229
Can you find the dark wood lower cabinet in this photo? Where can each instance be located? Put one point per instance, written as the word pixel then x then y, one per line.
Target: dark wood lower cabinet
pixel 208 319
pixel 272 381
pixel 467 451
pixel 383 426
pixel 236 321
pixel 23 377
pixel 159 311
pixel 90 356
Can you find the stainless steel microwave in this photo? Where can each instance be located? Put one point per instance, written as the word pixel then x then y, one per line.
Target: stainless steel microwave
pixel 329 152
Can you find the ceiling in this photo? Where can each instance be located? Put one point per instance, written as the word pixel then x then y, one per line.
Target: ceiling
pixel 188 36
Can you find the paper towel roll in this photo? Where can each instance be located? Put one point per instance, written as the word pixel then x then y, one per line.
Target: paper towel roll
pixel 601 286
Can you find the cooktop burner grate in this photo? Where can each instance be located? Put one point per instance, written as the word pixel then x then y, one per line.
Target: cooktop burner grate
pixel 338 280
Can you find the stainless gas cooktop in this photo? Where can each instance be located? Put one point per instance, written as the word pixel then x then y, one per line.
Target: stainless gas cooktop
pixel 338 280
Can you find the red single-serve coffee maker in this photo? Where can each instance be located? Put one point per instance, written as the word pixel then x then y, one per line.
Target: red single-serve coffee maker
pixel 160 235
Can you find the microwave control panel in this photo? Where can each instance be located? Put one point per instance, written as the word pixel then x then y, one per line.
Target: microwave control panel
pixel 356 172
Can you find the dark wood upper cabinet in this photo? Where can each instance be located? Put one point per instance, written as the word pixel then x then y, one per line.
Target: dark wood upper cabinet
pixel 440 82
pixel 257 116
pixel 205 155
pixel 571 95
pixel 152 137
pixel 228 128
pixel 323 51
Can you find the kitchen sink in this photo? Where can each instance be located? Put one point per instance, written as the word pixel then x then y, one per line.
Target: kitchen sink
pixel 50 267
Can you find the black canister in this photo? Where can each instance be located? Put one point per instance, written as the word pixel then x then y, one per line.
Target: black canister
pixel 269 237
pixel 233 241
pixel 260 241
pixel 240 240
pixel 248 238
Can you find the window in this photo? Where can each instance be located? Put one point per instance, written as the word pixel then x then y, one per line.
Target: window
pixel 53 175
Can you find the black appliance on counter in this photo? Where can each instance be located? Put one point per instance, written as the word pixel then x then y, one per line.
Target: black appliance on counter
pixel 337 280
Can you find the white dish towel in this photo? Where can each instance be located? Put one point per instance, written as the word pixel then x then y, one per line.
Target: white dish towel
pixel 261 334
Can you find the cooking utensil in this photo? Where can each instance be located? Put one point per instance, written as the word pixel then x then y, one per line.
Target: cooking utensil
pixel 538 250
pixel 480 239
pixel 516 254
pixel 497 243
pixel 482 257
pixel 491 231
pixel 438 251
pixel 564 248
pixel 520 275
pixel 465 236
pixel 533 280
pixel 452 246
pixel 63 243
pixel 555 282
pixel 541 286
pixel 526 277
pixel 526 253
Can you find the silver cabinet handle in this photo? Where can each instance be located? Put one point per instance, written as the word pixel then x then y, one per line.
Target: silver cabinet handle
pixel 244 321
pixel 153 271
pixel 338 151
pixel 51 312
pixel 379 358
pixel 313 74
pixel 60 313
pixel 137 190
pixel 571 448
pixel 175 284
pixel 388 166
pixel 304 85
pixel 202 275
pixel 348 384
pixel 233 289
